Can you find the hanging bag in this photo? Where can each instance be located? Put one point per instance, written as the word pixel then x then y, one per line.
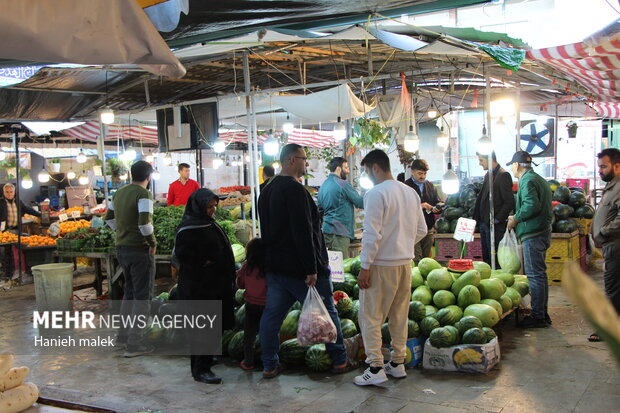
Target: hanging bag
pixel 315 324
pixel 509 253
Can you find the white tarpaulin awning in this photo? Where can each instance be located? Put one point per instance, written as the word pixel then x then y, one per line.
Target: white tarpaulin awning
pixel 93 32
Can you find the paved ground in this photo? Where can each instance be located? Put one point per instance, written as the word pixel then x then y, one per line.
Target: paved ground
pixel 548 370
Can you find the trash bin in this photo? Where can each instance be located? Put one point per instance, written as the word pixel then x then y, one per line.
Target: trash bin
pixel 53 286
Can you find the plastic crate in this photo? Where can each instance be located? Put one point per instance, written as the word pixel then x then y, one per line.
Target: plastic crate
pixel 447 248
pixel 555 271
pixel 564 247
pixel 474 250
pixel 583 256
pixel 579 183
pixel 584 224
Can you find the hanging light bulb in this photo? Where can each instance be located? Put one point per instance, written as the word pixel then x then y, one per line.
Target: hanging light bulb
pixel 71 174
pixel 149 157
pixel 26 182
pixel 43 176
pixel 432 112
pixel 443 140
pixel 217 162
pixel 276 165
pixel 288 126
pixel 219 146
pixel 122 177
pixel 130 153
pixel 485 145
pixel 340 130
pixel 81 157
pixel 450 182
pixel 247 158
pixel 155 175
pixel 365 181
pixel 106 115
pixel 411 142
pixel 167 159
pixel 83 178
pixel 271 145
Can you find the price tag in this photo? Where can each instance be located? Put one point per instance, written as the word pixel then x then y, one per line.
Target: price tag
pixel 464 231
pixel 75 214
pixel 63 217
pixel 2 225
pixel 336 266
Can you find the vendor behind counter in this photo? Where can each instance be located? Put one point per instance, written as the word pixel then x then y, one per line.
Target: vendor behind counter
pixel 8 208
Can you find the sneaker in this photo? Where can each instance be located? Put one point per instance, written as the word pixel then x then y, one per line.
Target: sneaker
pixel 531 322
pixel 135 351
pixel 369 378
pixel 397 372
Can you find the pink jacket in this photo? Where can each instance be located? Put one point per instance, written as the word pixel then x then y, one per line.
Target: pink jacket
pixel 255 285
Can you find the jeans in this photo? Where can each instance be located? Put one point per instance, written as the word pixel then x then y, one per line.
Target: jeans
pixel 423 248
pixel 534 252
pixel 485 239
pixel 253 313
pixel 282 291
pixel 611 253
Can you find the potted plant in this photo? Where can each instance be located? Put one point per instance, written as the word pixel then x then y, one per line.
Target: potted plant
pixel 55 165
pixel 571 127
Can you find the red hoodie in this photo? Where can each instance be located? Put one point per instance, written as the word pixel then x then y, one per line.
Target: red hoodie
pixel 254 283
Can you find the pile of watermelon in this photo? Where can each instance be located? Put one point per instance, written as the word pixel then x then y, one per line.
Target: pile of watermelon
pixel 462 307
pixel 458 205
pixel 568 203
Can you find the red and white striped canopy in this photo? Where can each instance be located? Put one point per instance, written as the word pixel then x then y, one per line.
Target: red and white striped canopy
pixel 304 137
pixel 89 131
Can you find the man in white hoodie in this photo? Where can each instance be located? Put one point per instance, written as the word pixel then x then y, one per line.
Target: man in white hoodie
pixel 393 224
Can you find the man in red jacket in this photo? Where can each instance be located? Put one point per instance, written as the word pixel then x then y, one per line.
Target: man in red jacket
pixel 180 190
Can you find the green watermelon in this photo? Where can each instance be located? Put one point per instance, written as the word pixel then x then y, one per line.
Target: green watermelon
pixel 439 279
pixel 474 336
pixel 240 316
pixel 426 265
pixel 495 304
pixel 446 317
pixel 522 287
pixel 471 277
pixel 585 211
pixel 490 333
pixel 227 335
pixel 165 296
pixel 429 310
pixel 456 337
pixel 505 302
pixel 565 226
pixel 514 296
pixel 413 329
pixel 417 311
pixel 521 278
pixel 562 211
pixel 441 337
pixel 289 325
pixel 577 199
pixel 347 285
pixel 452 200
pixel 507 279
pixel 483 268
pixel 356 292
pixel 348 328
pixel 467 198
pixel 485 313
pixel 292 353
pixel 317 358
pixel 561 194
pixel 422 294
pixel 468 295
pixel 427 325
pixel 296 306
pixel 235 346
pixel 355 310
pixel 553 184
pixel 344 306
pixel 491 288
pixel 468 322
pixel 453 225
pixel 156 335
pixel 457 312
pixel 452 213
pixel 386 338
pixel 442 226
pixel 443 298
pixel 240 296
pixel 416 278
pixel 346 264
pixel 356 266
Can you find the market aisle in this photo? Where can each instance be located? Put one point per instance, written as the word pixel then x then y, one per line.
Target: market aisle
pixel 554 370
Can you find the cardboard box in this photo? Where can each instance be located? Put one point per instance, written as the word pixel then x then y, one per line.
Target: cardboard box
pixel 415 347
pixel 467 358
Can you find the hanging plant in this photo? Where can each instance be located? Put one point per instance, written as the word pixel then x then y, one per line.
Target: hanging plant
pixel 368 134
pixel 571 127
pixel 326 154
pixel 406 158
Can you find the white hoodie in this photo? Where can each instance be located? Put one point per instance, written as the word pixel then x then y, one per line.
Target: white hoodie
pixel 393 224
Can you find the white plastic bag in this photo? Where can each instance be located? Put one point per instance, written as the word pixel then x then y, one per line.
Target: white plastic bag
pixel 315 325
pixel 509 253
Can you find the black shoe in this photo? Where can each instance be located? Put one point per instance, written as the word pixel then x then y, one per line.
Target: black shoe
pixel 531 322
pixel 135 351
pixel 548 319
pixel 208 377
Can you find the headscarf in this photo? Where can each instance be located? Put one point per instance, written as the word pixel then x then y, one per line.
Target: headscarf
pixel 195 209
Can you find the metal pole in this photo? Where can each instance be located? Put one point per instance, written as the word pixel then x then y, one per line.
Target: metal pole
pixel 556 122
pixel 255 149
pixel 19 205
pixel 103 131
pixel 487 104
pixel 249 110
pixel 518 121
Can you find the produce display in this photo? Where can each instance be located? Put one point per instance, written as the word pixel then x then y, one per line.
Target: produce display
pixel 165 222
pixel 458 205
pixel 568 204
pixel 235 200
pixel 70 226
pixel 38 241
pixel 7 237
pixel 234 188
pixel 15 394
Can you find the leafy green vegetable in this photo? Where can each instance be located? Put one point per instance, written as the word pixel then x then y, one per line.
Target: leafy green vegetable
pixel 229 230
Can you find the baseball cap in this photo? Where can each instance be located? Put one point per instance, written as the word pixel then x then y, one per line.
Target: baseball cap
pixel 520 157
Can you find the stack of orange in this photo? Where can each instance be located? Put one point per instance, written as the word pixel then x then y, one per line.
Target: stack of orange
pixel 6 237
pixel 70 226
pixel 38 241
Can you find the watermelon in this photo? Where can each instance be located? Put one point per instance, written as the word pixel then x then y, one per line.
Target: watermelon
pixel 522 287
pixel 292 353
pixel 427 325
pixel 417 310
pixel 471 277
pixel 239 252
pixel 457 312
pixel 173 294
pixel 522 278
pixel 474 336
pixel 490 333
pixel 386 338
pixel 507 279
pixel 468 322
pixel 240 296
pixel 296 306
pixel 483 268
pixel 505 302
pixel 509 260
pixel 514 296
pixel 467 198
pixel 317 358
pixel 453 200
pixel 495 304
pixel 561 194
pixel 348 328
pixel 577 199
pixel 429 310
pixel 356 266
pixel 227 335
pixel 345 286
pixel 563 211
pixel 356 292
pixel 441 337
pixel 422 294
pixel 553 184
pixel 235 346
pixel 456 337
pixel 416 278
pixel 344 307
pixel 485 313
pixel 446 317
pixel 240 316
pixel 443 298
pixel 565 226
pixel 453 213
pixel 165 296
pixel 426 265
pixel 346 264
pixel 453 224
pixel 413 329
pixel 442 226
pixel 491 288
pixel 355 310
pixel 289 325
pixel 156 335
pixel 439 279
pixel 585 211
pixel 468 295
pixel 460 266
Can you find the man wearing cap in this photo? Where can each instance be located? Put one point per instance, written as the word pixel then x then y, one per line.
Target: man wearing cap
pixel 532 223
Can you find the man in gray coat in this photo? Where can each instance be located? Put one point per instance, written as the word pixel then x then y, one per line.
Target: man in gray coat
pixel 606 225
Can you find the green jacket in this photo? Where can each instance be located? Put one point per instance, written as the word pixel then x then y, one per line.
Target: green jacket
pixel 534 213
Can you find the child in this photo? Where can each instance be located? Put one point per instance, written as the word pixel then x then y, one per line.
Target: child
pixel 252 277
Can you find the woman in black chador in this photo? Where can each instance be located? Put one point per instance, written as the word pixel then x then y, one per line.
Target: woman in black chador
pixel 206 270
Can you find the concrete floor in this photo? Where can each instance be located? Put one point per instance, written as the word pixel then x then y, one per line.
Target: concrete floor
pixel 544 370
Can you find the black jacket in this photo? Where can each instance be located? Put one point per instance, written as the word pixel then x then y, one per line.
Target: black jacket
pixel 429 196
pixel 25 210
pixel 503 198
pixel 291 230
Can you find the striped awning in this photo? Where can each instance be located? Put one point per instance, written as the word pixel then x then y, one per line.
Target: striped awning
pixel 90 131
pixel 304 137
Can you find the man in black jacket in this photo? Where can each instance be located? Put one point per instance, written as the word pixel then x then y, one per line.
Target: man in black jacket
pixel 503 205
pixel 430 206
pixel 295 257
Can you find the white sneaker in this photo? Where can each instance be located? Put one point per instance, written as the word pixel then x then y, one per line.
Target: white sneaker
pixel 397 372
pixel 370 378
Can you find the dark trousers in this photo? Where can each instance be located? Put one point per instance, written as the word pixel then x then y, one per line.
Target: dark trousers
pixel 611 253
pixel 200 364
pixel 253 313
pixel 485 239
pixel 139 272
